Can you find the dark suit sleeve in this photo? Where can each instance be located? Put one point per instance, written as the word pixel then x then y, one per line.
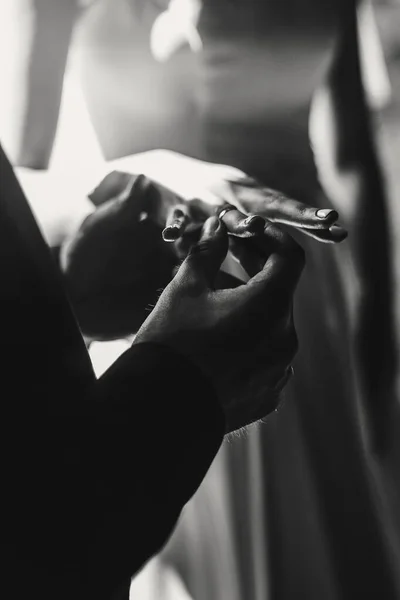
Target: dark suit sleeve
pixel 94 473
pixel 154 429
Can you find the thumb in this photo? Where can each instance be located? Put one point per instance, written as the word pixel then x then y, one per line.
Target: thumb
pixel 206 257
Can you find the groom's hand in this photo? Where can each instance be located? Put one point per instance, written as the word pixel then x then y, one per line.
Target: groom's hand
pixel 244 338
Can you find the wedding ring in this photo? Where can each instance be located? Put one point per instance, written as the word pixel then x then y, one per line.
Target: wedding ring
pixel 225 209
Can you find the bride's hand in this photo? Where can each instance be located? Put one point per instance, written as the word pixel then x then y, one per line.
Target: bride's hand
pixel 206 188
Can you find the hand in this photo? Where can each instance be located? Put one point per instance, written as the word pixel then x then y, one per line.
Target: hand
pixel 115 265
pixel 251 206
pixel 214 185
pixel 243 339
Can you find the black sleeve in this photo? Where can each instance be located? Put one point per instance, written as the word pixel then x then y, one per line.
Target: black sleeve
pixel 155 427
pixel 94 473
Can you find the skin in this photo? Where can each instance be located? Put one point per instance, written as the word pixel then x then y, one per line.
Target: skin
pixel 226 323
pixel 116 263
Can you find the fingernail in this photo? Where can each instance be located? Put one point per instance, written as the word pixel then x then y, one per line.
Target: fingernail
pixel 324 213
pixel 254 221
pixel 338 232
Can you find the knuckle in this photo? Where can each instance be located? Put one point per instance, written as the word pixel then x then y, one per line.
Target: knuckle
pixel 302 210
pixel 197 249
pixel 272 198
pixel 272 207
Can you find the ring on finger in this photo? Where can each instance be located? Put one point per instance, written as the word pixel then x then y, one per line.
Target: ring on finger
pixel 221 212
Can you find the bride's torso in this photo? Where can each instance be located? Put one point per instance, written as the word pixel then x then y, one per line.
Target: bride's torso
pixel 247 94
pixel 263 60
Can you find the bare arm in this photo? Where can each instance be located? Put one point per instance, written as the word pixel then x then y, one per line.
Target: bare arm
pixel 36 37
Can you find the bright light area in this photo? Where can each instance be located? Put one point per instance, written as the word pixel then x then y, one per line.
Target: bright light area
pixel 158 581
pixel 176 27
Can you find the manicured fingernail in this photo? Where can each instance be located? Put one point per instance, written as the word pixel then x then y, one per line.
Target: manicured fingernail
pixel 338 232
pixel 171 234
pixel 324 213
pixel 254 223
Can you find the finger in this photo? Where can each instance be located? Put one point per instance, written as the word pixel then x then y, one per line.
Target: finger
pixel 113 184
pixel 240 224
pixel 251 258
pixel 334 235
pixel 201 209
pixel 177 220
pixel 280 274
pixel 190 237
pixel 298 214
pixel 252 254
pixel 133 201
pixel 206 257
pixel 130 202
pixel 279 208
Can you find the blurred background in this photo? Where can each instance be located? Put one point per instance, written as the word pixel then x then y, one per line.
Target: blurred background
pixel 305 96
